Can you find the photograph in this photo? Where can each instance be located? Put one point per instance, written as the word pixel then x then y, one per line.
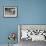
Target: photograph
pixel 32 32
pixel 10 11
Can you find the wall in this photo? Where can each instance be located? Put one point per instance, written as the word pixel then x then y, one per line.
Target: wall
pixel 29 12
pixel 32 11
pixel 7 25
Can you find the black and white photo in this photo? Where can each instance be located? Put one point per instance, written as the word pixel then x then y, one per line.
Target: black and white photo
pixel 10 11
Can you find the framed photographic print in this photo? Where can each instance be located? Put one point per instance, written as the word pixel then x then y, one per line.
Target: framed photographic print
pixel 10 11
pixel 32 32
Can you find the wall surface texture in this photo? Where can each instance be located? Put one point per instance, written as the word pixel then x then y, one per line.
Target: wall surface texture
pixel 29 12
